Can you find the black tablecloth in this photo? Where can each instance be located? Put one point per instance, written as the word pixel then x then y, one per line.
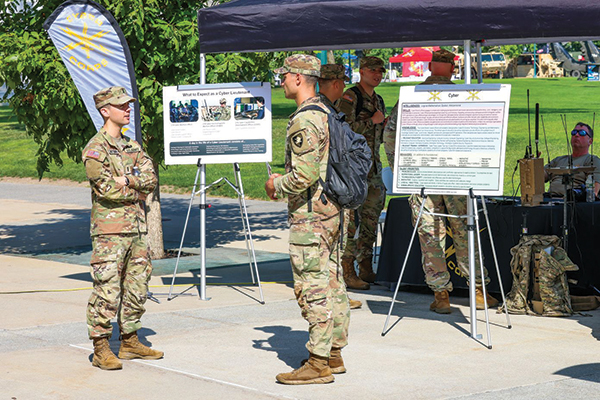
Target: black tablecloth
pixel 506 222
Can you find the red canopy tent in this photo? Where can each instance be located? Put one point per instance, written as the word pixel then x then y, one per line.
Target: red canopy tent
pixel 413 54
pixel 416 59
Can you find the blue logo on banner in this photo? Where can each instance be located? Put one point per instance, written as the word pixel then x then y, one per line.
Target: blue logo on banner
pixel 95 53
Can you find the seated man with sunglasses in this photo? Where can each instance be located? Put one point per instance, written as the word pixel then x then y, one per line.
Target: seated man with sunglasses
pixel 581 140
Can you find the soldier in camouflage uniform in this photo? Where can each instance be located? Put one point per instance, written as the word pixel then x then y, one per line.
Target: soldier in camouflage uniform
pixel 314 226
pixel 432 229
pixel 365 113
pixel 224 113
pixel 120 175
pixel 331 87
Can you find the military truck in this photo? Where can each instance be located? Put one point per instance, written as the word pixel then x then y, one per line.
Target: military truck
pixel 492 65
pixel 546 66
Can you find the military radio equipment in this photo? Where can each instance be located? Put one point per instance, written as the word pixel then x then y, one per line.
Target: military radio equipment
pixel 207 114
pixel 531 168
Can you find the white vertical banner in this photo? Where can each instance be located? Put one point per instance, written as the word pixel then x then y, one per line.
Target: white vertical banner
pixel 95 52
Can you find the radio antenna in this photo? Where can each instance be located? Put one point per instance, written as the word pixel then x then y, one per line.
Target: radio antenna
pixel 593 123
pixel 545 138
pixel 528 150
pixel 537 128
pixel 563 118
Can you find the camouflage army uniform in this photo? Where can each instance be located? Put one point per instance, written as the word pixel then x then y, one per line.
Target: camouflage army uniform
pixel 120 264
pixel 432 229
pixel 361 248
pixel 389 135
pixel 314 231
pixel 224 113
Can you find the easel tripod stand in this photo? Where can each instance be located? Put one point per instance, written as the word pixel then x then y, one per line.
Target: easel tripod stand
pixel 239 189
pixel 472 227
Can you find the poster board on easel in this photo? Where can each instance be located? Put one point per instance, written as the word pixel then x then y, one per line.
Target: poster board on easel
pixel 451 138
pixel 217 123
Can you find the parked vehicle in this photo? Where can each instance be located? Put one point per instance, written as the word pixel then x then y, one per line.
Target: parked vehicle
pixel 571 66
pixel 492 65
pixel 531 65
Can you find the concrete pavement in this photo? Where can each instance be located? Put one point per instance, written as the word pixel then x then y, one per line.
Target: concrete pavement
pixel 231 346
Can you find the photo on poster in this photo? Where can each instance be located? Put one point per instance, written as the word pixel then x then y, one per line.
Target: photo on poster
pixel 183 111
pixel 215 110
pixel 249 108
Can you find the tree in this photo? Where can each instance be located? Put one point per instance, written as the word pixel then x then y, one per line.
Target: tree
pixel 163 39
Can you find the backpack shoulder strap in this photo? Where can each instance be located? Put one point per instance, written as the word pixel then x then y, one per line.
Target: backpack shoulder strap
pixel 382 103
pixel 359 100
pixel 314 107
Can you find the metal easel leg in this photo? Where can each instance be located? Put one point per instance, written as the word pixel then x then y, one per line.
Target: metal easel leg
pixel 487 221
pixel 383 332
pixel 170 297
pixel 203 206
pixel 471 252
pixel 247 231
pixel 484 290
pixel 246 227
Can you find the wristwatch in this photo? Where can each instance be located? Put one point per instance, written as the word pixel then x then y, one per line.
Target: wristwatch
pixel 126 181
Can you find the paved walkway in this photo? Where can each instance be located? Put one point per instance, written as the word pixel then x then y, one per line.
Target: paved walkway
pixel 231 346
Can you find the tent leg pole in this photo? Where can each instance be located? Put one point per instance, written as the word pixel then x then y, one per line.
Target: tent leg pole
pixel 467 60
pixel 479 62
pixel 202 69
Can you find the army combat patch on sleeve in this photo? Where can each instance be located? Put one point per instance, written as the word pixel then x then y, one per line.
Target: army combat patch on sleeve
pixel 298 140
pixel 349 98
pixel 300 144
pixel 92 154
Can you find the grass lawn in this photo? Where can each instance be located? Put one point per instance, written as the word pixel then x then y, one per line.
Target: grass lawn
pixel 578 100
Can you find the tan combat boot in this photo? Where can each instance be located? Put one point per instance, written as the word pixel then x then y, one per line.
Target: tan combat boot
pixel 365 270
pixel 352 281
pixel 315 370
pixel 480 305
pixel 354 304
pixel 104 358
pixel 336 362
pixel 132 348
pixel 441 304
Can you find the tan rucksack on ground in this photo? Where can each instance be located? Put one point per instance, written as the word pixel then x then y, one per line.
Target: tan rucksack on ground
pixel 539 262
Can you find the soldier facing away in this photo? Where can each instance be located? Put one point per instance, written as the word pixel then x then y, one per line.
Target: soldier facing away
pixel 314 226
pixel 365 113
pixel 121 176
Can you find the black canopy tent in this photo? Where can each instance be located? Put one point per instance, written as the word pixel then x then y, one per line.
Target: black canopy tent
pixel 275 25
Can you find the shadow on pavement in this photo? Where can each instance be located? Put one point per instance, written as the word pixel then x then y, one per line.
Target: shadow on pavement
pixel 288 344
pixel 68 230
pixel 585 372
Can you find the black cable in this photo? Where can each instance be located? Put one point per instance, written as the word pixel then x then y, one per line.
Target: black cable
pixel 512 181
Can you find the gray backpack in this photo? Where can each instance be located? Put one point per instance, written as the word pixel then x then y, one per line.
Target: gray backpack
pixel 349 162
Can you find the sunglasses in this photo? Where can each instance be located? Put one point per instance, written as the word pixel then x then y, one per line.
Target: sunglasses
pixel 579 132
